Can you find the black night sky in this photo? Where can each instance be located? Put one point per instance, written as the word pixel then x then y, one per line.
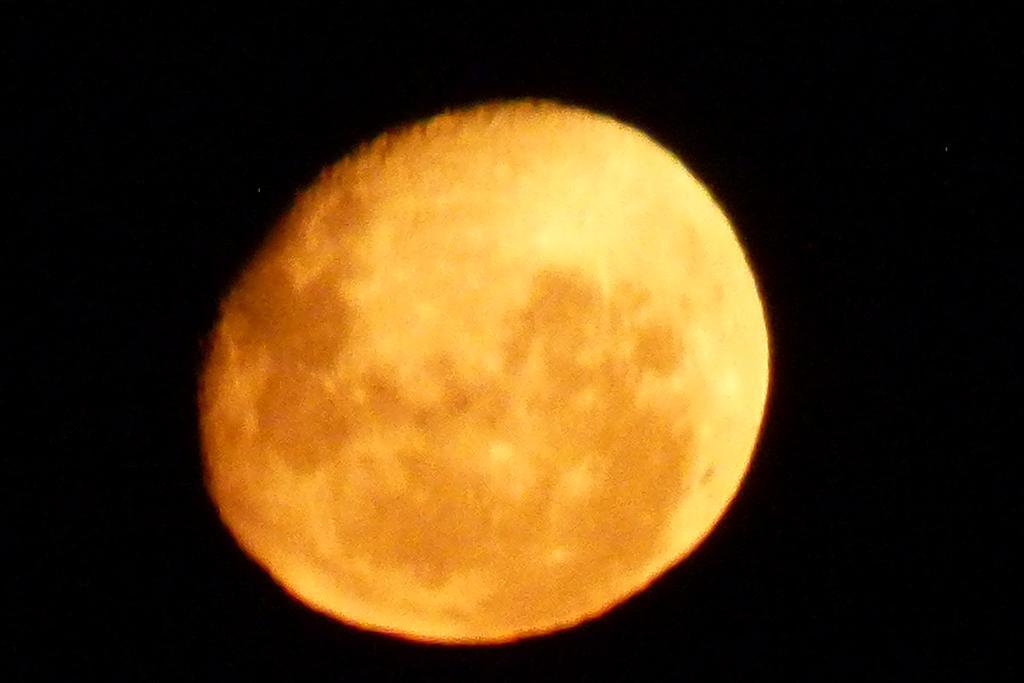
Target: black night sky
pixel 858 156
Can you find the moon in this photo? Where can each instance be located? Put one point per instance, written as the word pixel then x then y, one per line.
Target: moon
pixel 491 375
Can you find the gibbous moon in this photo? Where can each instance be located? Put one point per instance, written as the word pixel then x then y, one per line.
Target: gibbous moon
pixel 491 375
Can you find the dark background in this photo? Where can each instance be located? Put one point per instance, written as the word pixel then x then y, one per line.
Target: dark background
pixel 860 156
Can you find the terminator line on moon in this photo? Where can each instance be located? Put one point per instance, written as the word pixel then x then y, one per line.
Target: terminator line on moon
pixel 493 374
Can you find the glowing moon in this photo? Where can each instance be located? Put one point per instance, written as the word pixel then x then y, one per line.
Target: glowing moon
pixel 493 374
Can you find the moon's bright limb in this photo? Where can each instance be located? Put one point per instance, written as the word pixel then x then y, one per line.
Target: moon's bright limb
pixel 492 375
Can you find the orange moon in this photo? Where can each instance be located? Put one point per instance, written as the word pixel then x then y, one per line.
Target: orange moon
pixel 492 374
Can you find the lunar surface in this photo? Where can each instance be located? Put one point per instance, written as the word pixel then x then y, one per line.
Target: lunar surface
pixel 493 373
